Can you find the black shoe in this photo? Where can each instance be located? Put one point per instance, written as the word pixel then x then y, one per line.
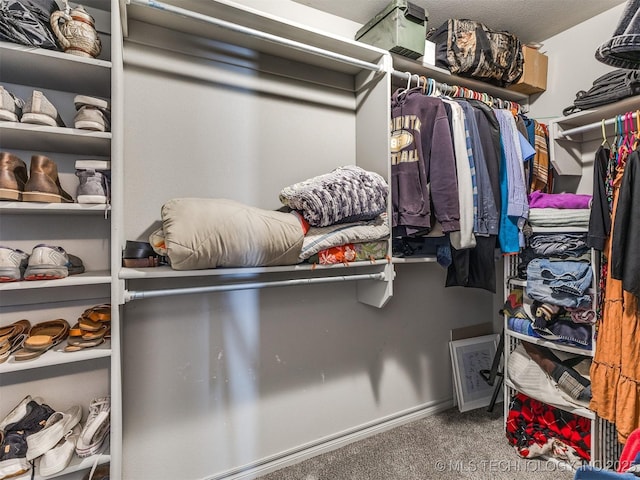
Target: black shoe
pixel 141 254
pixel 13 454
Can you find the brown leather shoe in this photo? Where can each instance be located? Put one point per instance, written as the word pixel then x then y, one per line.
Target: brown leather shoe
pixel 43 184
pixel 13 176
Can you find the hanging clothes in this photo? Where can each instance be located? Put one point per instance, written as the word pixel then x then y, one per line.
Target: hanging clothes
pixel 600 216
pixel 422 165
pixel 515 207
pixel 464 237
pixel 615 371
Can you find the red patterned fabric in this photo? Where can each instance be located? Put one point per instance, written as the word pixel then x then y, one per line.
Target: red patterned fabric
pixel 532 425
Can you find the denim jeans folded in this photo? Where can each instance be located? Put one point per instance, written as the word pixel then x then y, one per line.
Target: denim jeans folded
pixel 622 50
pixel 561 283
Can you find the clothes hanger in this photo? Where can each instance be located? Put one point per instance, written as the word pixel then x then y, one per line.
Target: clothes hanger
pixel 605 140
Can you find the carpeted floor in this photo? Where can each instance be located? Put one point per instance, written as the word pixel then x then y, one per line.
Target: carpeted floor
pixel 446 446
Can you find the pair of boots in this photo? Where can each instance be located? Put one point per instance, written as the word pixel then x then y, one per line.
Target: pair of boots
pixel 42 184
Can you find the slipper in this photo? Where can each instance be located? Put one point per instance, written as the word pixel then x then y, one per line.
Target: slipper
pixel 98 313
pixel 77 345
pixel 9 332
pixel 86 324
pixel 42 337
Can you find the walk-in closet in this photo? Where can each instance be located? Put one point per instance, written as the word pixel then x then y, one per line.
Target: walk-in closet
pixel 255 282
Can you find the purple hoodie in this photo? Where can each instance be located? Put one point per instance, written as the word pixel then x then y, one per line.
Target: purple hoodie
pixel 423 166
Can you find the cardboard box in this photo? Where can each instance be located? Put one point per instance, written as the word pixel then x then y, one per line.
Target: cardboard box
pixel 400 28
pixel 534 75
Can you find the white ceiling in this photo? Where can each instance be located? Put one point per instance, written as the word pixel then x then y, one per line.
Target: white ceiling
pixel 531 20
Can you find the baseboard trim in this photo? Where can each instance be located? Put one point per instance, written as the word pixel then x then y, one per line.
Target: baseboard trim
pixel 332 442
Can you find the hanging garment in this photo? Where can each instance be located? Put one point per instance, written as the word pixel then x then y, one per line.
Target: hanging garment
pixel 515 208
pixel 615 371
pixel 464 237
pixel 625 249
pixel 540 164
pixel 422 163
pixel 600 217
pixel 490 139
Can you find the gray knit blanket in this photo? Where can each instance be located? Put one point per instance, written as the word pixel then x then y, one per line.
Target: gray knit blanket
pixel 346 194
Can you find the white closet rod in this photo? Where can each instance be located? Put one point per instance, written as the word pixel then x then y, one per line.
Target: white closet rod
pixel 447 89
pixel 589 126
pixel 142 294
pixel 258 34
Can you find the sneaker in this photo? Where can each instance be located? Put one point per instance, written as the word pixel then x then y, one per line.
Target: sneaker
pixel 17 414
pixel 55 428
pixel 10 106
pixel 57 459
pixel 92 113
pixel 93 187
pixel 96 430
pixel 13 263
pixel 34 420
pixel 13 176
pixel 39 110
pixel 13 455
pixel 14 448
pixel 44 184
pixel 47 263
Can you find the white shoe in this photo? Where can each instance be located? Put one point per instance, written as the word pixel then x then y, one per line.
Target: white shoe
pixel 19 412
pixel 57 459
pixel 55 428
pixel 96 429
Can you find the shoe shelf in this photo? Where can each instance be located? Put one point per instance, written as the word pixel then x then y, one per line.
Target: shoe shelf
pixel 86 278
pixel 55 70
pixel 21 208
pixel 549 344
pixel 23 136
pixel 57 356
pixel 582 411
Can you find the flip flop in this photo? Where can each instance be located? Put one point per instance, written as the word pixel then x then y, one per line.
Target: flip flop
pixel 42 337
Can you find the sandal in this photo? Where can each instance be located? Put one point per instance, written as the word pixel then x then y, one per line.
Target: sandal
pixel 42 337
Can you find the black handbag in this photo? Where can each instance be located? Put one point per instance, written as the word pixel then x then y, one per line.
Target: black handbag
pixel 27 22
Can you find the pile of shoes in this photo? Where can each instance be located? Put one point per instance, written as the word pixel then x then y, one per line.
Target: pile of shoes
pixel 26 341
pixel 34 434
pixel 93 327
pixel 92 113
pixel 46 262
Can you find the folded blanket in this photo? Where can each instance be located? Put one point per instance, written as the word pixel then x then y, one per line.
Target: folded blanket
pixel 559 217
pixel 351 252
pixel 322 238
pixel 346 194
pixel 539 199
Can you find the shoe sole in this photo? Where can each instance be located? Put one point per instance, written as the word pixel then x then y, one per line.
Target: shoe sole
pixel 10 194
pixel 46 272
pixel 91 199
pixel 10 275
pixel 44 197
pixel 13 467
pixel 39 119
pixel 8 116
pixel 89 125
